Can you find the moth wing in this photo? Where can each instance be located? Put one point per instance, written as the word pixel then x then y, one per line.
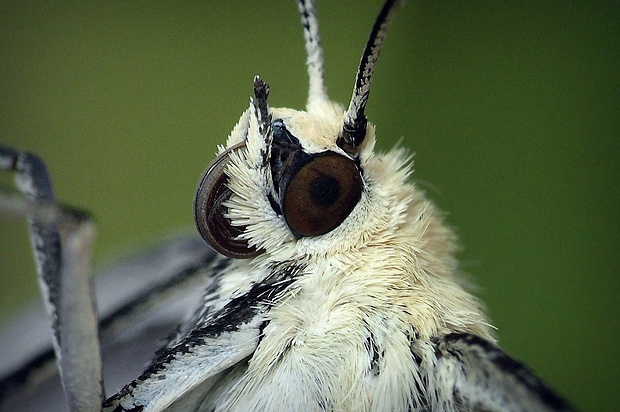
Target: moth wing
pixel 483 377
pixel 142 299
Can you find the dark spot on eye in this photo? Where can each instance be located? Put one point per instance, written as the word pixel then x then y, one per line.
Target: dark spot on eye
pixel 320 193
pixel 325 191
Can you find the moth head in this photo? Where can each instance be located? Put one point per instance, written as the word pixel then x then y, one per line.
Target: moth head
pixel 294 181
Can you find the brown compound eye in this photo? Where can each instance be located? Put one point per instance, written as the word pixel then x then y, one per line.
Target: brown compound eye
pixel 321 194
pixel 209 210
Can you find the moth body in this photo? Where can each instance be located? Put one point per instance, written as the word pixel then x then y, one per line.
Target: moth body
pixel 338 288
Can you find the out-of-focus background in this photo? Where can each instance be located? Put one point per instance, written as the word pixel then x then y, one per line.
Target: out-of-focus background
pixel 512 111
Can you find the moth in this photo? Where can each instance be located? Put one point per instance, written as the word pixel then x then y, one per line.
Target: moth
pixel 330 285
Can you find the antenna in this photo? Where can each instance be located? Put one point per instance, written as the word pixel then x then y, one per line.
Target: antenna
pixel 355 122
pixel 316 73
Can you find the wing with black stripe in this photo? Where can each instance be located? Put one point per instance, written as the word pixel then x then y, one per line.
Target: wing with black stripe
pixel 222 340
pixel 482 377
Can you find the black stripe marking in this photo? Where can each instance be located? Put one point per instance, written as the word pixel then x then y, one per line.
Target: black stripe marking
pixel 230 318
pixel 20 378
pixel 505 363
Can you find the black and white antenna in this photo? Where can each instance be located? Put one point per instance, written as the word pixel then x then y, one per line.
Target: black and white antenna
pixel 355 122
pixel 316 92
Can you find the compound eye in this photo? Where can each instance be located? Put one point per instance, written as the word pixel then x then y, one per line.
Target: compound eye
pixel 209 210
pixel 321 194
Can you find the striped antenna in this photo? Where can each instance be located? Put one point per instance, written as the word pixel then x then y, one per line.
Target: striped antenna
pixel 316 92
pixel 355 122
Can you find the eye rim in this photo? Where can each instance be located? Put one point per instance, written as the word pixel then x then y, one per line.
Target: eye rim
pixel 216 229
pixel 352 195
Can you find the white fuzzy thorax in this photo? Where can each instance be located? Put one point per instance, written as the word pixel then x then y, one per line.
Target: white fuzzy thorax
pixel 337 288
pixel 385 274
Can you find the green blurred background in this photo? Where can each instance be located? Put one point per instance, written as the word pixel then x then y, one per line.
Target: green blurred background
pixel 512 110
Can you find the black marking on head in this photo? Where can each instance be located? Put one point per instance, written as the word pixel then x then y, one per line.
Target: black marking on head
pixel 287 156
pixel 274 204
pixel 314 192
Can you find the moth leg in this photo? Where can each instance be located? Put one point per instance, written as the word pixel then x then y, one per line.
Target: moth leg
pixel 186 266
pixel 62 241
